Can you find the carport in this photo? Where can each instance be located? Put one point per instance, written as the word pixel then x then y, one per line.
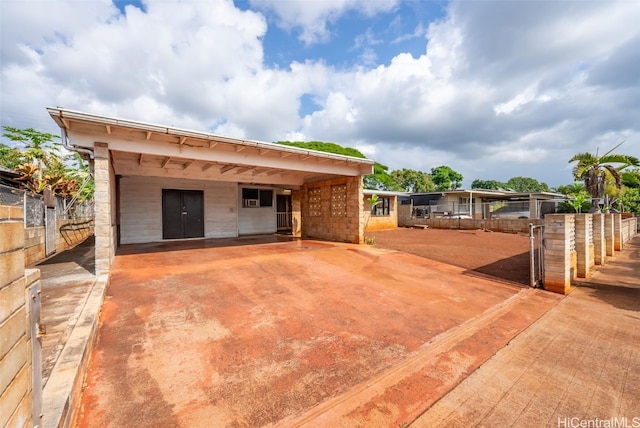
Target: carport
pixel 156 183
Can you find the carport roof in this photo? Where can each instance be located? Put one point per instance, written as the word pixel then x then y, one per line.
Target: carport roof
pixel 140 148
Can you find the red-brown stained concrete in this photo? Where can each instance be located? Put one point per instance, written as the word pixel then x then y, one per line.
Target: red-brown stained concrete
pixel 290 333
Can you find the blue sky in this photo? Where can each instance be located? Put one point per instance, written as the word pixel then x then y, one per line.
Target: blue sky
pixel 494 89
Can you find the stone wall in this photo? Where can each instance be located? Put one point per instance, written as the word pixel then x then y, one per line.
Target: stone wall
pixel 495 225
pixel 16 358
pixel 70 234
pixel 333 210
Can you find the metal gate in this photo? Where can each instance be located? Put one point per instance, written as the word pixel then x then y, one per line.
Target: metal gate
pixel 536 255
pixel 37 331
pixel 50 231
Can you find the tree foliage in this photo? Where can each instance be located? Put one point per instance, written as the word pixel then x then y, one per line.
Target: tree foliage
pixel 630 200
pixel 410 180
pixel 10 157
pixel 325 147
pixel 488 184
pixel 41 166
pixel 380 179
pixel 445 178
pixel 526 184
pixel 602 175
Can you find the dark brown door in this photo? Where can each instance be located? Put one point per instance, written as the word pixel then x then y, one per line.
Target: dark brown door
pixel 182 214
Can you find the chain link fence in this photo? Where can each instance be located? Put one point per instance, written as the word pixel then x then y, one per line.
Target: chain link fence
pixel 34 208
pixel 485 210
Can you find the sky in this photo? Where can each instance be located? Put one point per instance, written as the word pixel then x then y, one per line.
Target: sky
pixel 493 89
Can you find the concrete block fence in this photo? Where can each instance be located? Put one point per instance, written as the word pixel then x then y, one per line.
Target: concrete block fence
pixel 17 284
pixel 574 244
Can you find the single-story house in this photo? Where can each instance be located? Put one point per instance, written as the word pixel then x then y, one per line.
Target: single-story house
pixel 383 214
pixel 156 183
pixel 483 204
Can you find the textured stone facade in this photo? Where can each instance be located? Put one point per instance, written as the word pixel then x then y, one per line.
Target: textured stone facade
pixel 333 210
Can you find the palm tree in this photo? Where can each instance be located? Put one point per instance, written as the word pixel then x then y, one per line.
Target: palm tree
pixel 599 171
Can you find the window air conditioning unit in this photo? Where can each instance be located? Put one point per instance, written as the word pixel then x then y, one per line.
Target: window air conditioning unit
pixel 251 202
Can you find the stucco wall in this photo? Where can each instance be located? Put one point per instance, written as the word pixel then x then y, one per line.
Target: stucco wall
pixel 381 222
pixel 141 207
pixel 333 210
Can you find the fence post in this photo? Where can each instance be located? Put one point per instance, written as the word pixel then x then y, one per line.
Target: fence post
pixel 558 235
pixel 599 242
pixel 609 235
pixel 617 232
pixel 584 244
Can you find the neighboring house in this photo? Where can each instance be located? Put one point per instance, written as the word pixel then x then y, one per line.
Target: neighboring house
pixel 156 183
pixel 483 204
pixel 384 214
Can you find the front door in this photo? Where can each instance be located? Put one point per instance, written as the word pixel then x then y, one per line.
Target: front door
pixel 283 205
pixel 182 214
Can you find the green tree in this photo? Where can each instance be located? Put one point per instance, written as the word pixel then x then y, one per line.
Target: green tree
pixel 571 189
pixel 325 147
pixel 42 167
pixel 445 178
pixel 10 157
pixel 39 147
pixel 631 178
pixel 488 184
pixel 526 184
pixel 630 200
pixel 380 179
pixel 597 172
pixel 410 180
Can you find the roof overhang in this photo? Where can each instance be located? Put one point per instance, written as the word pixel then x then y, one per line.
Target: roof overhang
pixel 139 148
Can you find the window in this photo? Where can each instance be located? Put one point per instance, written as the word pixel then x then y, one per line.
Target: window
pixel 382 207
pixel 255 198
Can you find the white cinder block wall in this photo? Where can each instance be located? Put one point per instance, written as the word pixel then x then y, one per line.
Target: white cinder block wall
pixel 254 221
pixel 141 207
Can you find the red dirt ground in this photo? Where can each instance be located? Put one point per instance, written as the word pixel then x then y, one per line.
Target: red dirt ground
pixel 501 255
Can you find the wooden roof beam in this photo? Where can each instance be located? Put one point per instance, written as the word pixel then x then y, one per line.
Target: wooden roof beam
pixel 165 161
pixel 226 169
pixel 245 169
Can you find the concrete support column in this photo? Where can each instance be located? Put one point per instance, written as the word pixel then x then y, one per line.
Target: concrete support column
pixel 559 230
pixel 599 242
pixel 584 244
pixel 533 208
pixel 617 232
pixel 102 208
pixel 609 235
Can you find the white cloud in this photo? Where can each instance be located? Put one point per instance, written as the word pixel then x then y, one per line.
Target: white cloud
pixel 311 17
pixel 501 88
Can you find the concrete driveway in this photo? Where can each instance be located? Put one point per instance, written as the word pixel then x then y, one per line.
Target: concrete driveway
pixel 274 331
